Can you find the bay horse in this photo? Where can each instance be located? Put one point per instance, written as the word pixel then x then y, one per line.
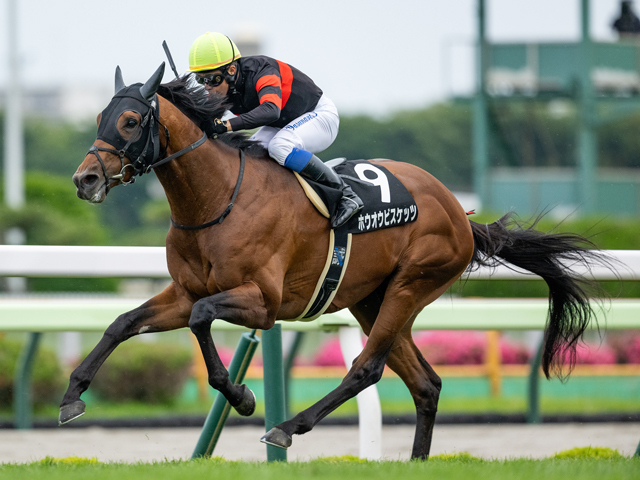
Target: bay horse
pixel 256 259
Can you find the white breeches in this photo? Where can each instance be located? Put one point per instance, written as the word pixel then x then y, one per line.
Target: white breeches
pixel 314 131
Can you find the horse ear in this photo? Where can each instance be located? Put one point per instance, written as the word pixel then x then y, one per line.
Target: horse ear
pixel 149 89
pixel 119 80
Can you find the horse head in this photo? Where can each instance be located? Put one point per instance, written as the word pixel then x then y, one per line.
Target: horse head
pixel 127 143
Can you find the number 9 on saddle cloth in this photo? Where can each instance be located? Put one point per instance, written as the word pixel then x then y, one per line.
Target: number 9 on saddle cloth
pixel 387 203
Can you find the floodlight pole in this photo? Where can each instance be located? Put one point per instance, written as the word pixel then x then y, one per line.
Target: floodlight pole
pixel 13 139
pixel 587 141
pixel 14 197
pixel 480 121
pixel 13 129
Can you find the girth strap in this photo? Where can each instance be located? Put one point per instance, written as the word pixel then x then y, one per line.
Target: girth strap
pixel 227 210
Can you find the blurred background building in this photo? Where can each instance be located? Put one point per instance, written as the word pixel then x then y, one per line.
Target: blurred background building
pixel 512 104
pixel 600 81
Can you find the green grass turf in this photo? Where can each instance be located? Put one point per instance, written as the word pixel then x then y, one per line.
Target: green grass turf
pixel 456 467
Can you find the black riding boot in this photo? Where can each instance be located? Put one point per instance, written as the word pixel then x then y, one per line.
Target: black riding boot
pixel 350 203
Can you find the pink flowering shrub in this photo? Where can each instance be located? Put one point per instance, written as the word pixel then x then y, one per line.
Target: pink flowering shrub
pixel 225 353
pixel 626 346
pixel 633 352
pixel 329 354
pixel 439 348
pixel 514 353
pixel 451 347
pixel 465 348
pixel 468 348
pixel 593 354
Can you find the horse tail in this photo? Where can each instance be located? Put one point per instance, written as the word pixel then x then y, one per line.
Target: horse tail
pixel 548 255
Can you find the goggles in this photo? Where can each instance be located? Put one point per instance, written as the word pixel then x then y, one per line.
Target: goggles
pixel 212 80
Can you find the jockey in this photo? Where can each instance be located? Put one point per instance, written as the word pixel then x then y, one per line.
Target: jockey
pixel 295 117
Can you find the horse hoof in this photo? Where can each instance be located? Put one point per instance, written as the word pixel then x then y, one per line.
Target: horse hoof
pixel 248 404
pixel 71 412
pixel 277 438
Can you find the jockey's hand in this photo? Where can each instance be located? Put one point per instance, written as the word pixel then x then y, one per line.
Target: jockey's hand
pixel 220 127
pixel 215 127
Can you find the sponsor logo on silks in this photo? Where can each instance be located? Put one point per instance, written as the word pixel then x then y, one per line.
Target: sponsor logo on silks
pixel 338 256
pixel 302 121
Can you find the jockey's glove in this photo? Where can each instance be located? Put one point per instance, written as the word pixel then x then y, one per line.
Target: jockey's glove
pixel 213 127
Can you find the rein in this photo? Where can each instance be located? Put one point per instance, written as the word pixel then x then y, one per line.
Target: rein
pixel 122 153
pixel 227 210
pixel 137 171
pixel 148 156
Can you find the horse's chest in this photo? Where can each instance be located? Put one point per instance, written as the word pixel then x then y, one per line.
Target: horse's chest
pixel 194 275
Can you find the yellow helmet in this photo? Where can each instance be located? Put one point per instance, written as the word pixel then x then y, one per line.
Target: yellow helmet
pixel 211 51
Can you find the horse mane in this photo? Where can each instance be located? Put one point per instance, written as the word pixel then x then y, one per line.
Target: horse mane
pixel 200 106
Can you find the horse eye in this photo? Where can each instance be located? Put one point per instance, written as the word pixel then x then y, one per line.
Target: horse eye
pixel 131 123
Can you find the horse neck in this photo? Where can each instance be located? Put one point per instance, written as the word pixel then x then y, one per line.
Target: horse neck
pixel 198 184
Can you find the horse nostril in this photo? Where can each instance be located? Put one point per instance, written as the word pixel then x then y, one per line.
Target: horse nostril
pixel 89 180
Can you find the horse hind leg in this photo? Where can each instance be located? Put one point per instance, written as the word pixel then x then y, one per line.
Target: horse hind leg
pixel 406 294
pixel 408 363
pixel 366 370
pixel 424 385
pixel 405 359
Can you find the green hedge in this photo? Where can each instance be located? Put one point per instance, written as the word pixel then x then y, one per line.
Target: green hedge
pixel 605 233
pixel 143 372
pixel 48 379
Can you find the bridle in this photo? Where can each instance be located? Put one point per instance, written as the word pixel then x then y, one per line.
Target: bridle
pixel 146 152
pixel 152 144
pixel 149 157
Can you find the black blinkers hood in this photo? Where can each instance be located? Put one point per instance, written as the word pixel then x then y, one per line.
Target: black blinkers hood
pixel 143 148
pixel 130 99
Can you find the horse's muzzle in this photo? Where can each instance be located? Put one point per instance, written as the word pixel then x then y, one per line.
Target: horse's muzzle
pixel 89 187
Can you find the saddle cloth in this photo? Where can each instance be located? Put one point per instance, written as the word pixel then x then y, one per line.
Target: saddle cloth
pixel 387 202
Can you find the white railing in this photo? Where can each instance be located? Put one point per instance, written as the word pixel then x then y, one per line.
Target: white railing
pixel 82 314
pixel 76 261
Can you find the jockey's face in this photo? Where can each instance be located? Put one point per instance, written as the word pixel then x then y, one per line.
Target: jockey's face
pixel 208 80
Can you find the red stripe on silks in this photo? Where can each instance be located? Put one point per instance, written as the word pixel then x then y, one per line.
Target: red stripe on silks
pixel 287 80
pixel 268 81
pixel 273 98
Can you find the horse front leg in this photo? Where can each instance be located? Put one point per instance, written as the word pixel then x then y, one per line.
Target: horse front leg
pixel 244 306
pixel 166 311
